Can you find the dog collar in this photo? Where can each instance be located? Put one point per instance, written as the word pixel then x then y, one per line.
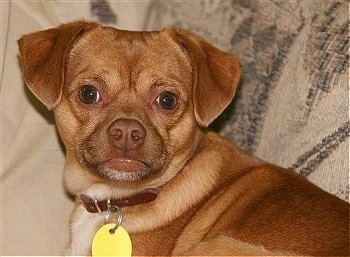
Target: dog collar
pixel 94 206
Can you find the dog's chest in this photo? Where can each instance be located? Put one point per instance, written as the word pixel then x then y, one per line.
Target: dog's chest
pixel 160 241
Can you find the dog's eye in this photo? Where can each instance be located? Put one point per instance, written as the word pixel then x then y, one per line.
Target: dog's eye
pixel 166 100
pixel 89 94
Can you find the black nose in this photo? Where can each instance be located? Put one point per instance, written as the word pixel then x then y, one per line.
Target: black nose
pixel 126 134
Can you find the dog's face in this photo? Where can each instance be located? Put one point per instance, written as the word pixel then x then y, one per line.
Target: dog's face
pixel 132 93
pixel 129 106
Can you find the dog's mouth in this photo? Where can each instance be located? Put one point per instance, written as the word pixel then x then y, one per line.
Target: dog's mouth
pixel 129 163
pixel 124 169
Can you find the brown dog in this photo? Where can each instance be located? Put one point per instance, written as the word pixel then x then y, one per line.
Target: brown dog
pixel 131 109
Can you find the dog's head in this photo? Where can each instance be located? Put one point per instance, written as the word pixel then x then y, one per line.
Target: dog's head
pixel 129 106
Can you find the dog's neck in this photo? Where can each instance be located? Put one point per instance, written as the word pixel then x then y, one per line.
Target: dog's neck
pixel 95 206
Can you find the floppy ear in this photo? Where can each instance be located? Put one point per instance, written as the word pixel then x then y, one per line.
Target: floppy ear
pixel 215 76
pixel 44 56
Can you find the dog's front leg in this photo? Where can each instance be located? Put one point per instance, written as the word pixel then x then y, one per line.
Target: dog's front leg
pixel 83 228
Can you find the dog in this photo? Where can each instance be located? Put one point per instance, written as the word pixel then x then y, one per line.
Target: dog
pixel 132 110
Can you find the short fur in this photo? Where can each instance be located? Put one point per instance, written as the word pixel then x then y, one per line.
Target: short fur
pixel 213 199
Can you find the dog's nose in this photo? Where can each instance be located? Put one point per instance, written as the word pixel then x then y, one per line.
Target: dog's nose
pixel 126 134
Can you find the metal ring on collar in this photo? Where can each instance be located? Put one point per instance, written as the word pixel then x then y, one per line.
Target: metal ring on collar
pixel 119 218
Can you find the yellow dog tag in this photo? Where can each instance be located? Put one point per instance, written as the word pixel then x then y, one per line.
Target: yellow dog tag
pixel 107 243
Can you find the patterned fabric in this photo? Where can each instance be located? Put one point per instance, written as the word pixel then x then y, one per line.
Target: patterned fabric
pixel 292 104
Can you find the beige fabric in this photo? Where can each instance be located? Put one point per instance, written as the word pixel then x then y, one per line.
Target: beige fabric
pixel 34 208
pixel 291 127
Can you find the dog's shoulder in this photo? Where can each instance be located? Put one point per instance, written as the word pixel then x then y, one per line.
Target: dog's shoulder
pixel 264 204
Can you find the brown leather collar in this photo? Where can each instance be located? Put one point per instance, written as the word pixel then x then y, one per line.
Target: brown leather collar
pixel 140 198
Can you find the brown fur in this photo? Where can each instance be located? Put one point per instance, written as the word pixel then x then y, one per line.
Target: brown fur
pixel 213 199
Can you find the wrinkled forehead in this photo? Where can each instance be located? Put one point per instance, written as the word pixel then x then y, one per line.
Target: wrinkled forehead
pixel 127 55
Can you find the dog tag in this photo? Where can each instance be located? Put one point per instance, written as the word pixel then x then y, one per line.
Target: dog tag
pixel 106 243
